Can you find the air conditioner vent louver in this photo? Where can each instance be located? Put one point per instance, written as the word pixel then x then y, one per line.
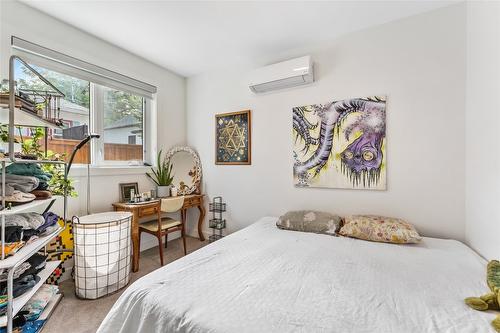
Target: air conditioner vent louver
pixel 283 75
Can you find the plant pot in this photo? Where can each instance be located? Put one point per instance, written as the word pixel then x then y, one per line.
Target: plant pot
pixel 163 191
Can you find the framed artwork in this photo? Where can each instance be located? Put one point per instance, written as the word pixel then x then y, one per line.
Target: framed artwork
pixel 125 189
pixel 233 138
pixel 340 144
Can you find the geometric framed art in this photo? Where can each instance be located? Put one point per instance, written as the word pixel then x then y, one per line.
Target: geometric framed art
pixel 341 144
pixel 233 142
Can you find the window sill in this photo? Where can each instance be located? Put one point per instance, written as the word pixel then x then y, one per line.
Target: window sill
pixel 108 170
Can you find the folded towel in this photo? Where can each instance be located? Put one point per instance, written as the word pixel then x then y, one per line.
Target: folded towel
pixel 37 263
pixel 19 198
pixel 21 183
pixel 21 285
pixel 39 301
pixel 12 233
pixel 25 220
pixel 17 272
pixel 41 194
pixel 28 169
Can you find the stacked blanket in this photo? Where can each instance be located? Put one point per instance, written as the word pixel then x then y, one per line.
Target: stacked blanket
pixel 25 227
pixel 25 277
pixel 25 182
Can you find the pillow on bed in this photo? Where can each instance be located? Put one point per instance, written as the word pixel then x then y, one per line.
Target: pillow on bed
pixel 310 221
pixel 379 229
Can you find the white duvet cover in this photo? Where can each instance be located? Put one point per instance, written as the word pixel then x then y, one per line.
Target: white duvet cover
pixel 262 279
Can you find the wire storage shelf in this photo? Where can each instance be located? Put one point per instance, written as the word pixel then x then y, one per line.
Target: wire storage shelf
pixel 18 106
pixel 212 238
pixel 216 223
pixel 217 207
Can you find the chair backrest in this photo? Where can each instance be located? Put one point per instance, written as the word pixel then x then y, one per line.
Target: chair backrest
pixel 172 204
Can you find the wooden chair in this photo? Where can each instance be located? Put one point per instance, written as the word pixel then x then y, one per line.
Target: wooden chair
pixel 166 225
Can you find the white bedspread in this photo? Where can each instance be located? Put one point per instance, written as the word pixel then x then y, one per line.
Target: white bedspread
pixel 262 279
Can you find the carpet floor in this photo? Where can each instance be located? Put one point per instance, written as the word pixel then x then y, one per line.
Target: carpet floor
pixel 84 316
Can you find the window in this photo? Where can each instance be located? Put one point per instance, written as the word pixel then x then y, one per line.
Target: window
pixel 116 115
pixel 122 125
pixel 74 109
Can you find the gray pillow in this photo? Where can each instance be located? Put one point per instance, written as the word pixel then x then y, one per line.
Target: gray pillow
pixel 310 221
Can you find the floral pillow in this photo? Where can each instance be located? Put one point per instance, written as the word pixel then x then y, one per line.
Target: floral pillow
pixel 310 221
pixel 379 229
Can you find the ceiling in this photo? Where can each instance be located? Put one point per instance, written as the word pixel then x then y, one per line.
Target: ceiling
pixel 194 37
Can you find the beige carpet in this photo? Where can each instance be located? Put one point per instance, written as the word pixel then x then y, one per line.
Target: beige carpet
pixel 84 316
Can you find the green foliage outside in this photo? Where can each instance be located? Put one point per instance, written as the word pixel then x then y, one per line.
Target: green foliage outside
pixel 119 104
pixel 76 91
pixel 57 183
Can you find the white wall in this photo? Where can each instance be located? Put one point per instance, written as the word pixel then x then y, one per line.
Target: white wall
pixel 22 21
pixel 418 62
pixel 482 128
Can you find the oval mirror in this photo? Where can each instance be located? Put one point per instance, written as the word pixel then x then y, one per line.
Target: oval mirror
pixel 186 169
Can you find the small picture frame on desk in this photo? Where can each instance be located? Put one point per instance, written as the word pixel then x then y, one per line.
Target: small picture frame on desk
pixel 126 189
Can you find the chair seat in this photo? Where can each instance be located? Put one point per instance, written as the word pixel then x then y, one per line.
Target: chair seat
pixel 166 223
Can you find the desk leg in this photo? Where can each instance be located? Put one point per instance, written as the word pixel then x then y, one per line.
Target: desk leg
pixel 135 241
pixel 201 208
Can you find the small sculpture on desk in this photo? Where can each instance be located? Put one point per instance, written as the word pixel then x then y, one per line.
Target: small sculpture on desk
pixel 217 223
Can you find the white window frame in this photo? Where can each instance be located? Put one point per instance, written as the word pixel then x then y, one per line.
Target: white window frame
pixel 96 126
pixel 94 74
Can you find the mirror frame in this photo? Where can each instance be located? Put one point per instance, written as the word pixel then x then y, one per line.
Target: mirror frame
pixel 196 187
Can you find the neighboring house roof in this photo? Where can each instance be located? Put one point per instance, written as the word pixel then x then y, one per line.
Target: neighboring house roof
pixel 70 107
pixel 127 121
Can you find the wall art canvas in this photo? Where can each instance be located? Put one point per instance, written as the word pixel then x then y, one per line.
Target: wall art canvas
pixel 233 138
pixel 340 144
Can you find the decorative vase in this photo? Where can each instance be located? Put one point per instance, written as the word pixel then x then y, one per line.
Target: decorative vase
pixel 163 191
pixel 173 191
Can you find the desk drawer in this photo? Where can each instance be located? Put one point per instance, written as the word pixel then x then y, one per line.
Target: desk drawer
pixel 192 201
pixel 146 211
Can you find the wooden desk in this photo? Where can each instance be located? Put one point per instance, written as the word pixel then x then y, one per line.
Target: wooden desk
pixel 146 209
pixel 195 200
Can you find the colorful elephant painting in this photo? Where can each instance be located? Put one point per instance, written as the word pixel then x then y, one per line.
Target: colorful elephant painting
pixel 340 144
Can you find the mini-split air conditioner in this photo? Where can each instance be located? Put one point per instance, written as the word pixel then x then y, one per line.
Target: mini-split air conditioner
pixel 286 74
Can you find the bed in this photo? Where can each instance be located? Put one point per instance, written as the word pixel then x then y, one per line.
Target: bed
pixel 263 279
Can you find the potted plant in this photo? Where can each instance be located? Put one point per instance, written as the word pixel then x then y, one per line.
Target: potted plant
pixel 162 176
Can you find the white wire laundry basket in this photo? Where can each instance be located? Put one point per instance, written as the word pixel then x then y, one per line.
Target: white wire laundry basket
pixel 102 253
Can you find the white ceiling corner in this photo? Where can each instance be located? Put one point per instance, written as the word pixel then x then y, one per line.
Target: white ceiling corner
pixel 191 37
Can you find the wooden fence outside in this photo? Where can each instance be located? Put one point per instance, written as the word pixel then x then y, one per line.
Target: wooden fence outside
pixel 112 151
